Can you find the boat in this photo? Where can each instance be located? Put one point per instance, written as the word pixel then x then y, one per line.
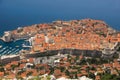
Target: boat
pixel 27 40
pixel 3 49
pixel 10 50
pixel 16 46
pixel 10 47
pixel 0 46
pixel 5 52
pixel 25 46
pixel 15 52
pixel 0 54
pixel 13 49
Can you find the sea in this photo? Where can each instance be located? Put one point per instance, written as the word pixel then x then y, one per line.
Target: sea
pixel 20 13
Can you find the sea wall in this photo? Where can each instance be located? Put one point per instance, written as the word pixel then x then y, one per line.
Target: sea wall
pixel 77 52
pixel 8 60
pixel 90 53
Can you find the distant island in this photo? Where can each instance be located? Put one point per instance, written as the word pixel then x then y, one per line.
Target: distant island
pixel 63 49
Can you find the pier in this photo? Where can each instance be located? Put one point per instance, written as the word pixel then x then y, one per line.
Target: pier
pixel 25 46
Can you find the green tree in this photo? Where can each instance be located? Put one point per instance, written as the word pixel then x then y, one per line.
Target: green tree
pixel 67 73
pixel 13 66
pixel 2 69
pixel 110 77
pixel 91 75
pixel 29 73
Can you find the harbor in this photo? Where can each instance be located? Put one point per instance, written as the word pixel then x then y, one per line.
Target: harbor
pixel 13 47
pixel 59 40
pixel 84 42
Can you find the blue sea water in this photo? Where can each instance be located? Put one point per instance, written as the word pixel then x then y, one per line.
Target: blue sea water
pixel 11 47
pixel 19 13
